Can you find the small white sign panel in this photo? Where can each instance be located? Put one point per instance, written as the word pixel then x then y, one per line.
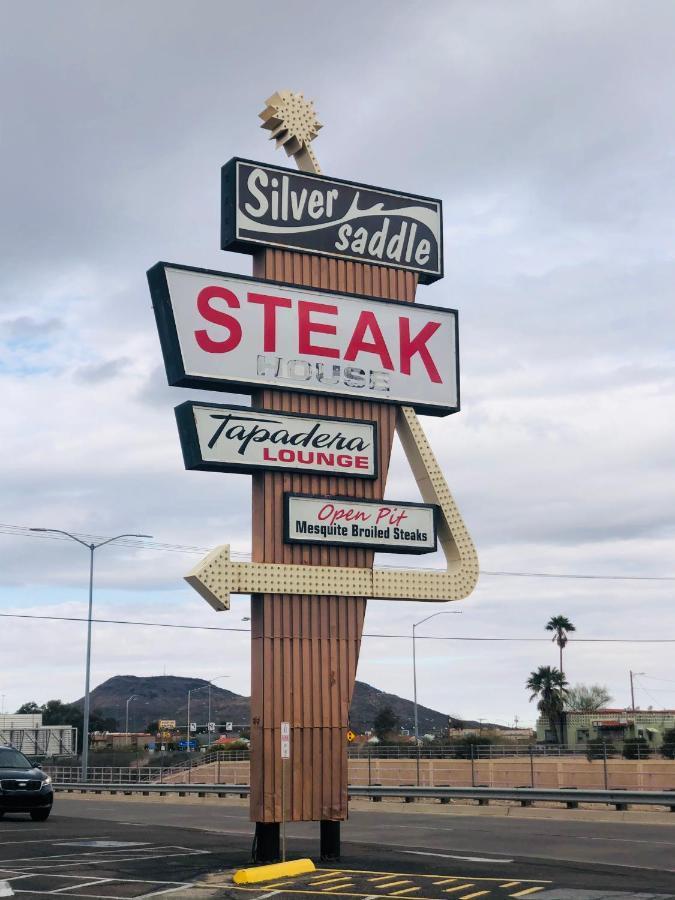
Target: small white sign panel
pixel 215 437
pixel 231 333
pixel 211 726
pixel 193 726
pixel 285 740
pixel 379 525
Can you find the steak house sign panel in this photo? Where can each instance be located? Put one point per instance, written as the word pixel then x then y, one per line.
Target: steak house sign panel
pixel 221 438
pixel 233 333
pixel 275 207
pixel 375 524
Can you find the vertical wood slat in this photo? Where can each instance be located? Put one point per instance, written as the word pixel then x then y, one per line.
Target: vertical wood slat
pixel 304 650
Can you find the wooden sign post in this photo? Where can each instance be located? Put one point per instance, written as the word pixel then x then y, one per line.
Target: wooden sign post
pixel 335 357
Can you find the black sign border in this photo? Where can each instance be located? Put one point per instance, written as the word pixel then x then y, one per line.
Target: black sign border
pixel 379 548
pixel 192 457
pixel 229 239
pixel 173 360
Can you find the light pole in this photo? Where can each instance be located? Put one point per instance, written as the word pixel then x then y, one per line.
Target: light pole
pixel 632 689
pixel 91 548
pixel 126 720
pixel 445 612
pixel 193 691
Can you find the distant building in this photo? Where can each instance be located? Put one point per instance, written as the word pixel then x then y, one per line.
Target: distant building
pixel 611 725
pixel 120 740
pixel 25 732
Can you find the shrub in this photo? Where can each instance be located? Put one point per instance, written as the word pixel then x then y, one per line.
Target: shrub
pixel 596 749
pixel 668 746
pixel 636 748
pixel 462 746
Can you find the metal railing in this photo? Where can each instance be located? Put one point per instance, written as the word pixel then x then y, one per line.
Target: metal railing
pixel 571 797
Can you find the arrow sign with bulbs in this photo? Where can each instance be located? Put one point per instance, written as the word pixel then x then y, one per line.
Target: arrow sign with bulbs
pixel 217 576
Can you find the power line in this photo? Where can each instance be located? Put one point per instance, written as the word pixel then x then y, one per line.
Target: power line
pixel 24 531
pixel 425 637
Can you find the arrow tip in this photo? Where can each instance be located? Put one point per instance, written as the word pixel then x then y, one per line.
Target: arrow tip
pixel 210 578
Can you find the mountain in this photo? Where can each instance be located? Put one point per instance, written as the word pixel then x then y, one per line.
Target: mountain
pixel 165 697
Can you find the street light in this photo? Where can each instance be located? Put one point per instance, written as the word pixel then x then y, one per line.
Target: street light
pixel 91 548
pixel 193 691
pixel 126 726
pixel 632 689
pixel 445 612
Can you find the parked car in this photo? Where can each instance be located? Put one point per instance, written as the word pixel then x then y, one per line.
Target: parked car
pixel 23 786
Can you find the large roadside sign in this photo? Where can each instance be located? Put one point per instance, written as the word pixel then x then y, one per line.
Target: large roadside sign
pixel 270 206
pixel 232 333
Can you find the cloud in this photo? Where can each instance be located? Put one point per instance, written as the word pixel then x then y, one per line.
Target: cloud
pixel 98 373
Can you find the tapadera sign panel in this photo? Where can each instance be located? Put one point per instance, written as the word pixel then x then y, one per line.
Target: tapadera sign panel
pixel 271 206
pixel 232 333
pixel 373 524
pixel 225 438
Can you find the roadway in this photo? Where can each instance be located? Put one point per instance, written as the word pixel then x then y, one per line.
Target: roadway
pixel 133 848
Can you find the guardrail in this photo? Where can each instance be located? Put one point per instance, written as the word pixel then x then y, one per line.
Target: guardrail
pixel 571 797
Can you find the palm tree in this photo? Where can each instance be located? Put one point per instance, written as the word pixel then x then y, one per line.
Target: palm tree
pixel 561 625
pixel 549 685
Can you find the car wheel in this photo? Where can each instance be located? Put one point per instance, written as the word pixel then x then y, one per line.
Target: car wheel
pixel 40 815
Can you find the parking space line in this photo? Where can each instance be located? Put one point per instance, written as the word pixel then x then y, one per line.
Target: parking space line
pixel 73 887
pixel 492 878
pixel 527 891
pixel 458 887
pixel 330 879
pixel 445 881
pixel 337 887
pixel 382 887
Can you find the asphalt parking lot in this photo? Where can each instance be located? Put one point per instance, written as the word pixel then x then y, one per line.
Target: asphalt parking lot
pixel 121 848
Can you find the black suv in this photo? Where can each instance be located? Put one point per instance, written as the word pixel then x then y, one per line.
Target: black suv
pixel 23 786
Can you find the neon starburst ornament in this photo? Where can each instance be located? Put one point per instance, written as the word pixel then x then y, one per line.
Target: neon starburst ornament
pixel 294 125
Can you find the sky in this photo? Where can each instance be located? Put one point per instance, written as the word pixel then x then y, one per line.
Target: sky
pixel 547 131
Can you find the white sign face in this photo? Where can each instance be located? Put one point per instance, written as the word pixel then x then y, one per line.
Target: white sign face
pixel 211 726
pixel 221 438
pixel 193 726
pixel 375 524
pixel 228 726
pixel 285 740
pixel 231 333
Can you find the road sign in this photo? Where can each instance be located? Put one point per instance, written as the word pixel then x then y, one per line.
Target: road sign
pixel 233 333
pixel 193 726
pixel 351 736
pixel 270 206
pixel 211 726
pixel 166 724
pixel 285 740
pixel 225 438
pixel 228 726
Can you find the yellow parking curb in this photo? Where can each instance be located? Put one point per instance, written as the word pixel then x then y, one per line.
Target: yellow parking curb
pixel 274 871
